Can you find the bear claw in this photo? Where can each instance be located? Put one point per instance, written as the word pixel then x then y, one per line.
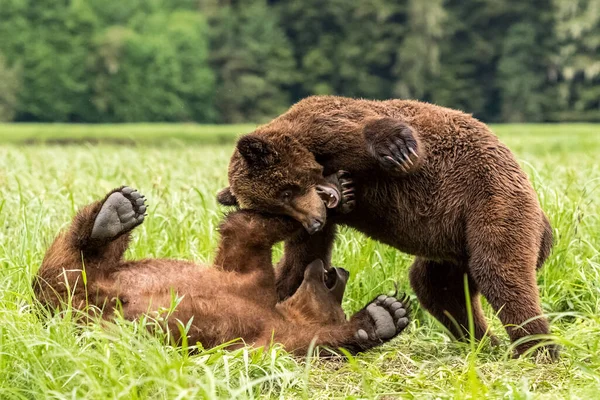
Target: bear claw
pixel 398 155
pixel 348 201
pixel 392 143
pixel 123 210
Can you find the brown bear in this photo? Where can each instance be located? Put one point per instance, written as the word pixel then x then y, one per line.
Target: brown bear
pixel 235 299
pixel 431 181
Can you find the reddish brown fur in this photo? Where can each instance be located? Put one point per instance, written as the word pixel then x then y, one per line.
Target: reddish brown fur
pixel 464 207
pixel 235 299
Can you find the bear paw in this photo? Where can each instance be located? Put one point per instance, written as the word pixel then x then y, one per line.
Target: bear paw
pixel 393 144
pixel 122 211
pixel 382 320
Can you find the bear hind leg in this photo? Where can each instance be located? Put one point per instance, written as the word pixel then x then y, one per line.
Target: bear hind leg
pixel 91 243
pixel 509 284
pixel 122 211
pixel 101 230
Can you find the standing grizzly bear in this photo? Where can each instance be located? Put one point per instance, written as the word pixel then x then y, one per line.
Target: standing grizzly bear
pixel 431 181
pixel 236 299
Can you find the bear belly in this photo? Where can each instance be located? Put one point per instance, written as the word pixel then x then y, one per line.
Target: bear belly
pixel 395 217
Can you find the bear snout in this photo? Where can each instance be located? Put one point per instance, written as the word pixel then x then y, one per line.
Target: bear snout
pixel 313 225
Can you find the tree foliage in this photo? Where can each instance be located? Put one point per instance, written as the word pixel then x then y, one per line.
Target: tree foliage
pixel 577 30
pixel 235 61
pixel 9 87
pixel 253 61
pixel 154 71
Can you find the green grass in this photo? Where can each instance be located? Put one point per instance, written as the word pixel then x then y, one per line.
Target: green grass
pixel 128 134
pixel 41 187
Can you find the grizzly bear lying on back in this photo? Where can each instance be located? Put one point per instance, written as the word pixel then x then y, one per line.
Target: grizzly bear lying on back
pixel 431 181
pixel 236 299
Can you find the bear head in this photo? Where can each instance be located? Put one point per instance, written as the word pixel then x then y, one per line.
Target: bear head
pixel 318 300
pixel 278 175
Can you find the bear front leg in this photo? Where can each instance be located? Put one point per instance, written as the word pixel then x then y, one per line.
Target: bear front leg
pixel 440 288
pixel 247 238
pixel 299 252
pixel 305 248
pixel 380 321
pixel 394 144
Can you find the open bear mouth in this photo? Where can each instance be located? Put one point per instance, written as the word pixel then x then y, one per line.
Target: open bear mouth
pixel 335 280
pixel 329 195
pixel 330 278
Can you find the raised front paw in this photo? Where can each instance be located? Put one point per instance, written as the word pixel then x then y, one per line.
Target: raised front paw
pixel 393 144
pixel 123 210
pixel 380 321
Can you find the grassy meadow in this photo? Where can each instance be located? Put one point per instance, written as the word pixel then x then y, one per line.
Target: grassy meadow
pixel 48 171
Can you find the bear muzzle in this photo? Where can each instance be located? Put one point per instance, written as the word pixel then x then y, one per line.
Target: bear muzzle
pixel 313 225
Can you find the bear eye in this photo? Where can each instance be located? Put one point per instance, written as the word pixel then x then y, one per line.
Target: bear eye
pixel 286 195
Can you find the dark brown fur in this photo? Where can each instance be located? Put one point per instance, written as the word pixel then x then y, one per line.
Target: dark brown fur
pixel 235 299
pixel 462 206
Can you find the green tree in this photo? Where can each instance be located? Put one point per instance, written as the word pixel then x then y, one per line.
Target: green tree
pixel 9 87
pixel 158 60
pixel 343 47
pixel 578 59
pixel 155 71
pixel 418 59
pixel 494 53
pixel 253 61
pixel 524 65
pixel 521 83
pixel 51 45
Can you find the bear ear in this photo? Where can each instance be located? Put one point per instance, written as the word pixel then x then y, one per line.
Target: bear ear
pixel 226 198
pixel 256 151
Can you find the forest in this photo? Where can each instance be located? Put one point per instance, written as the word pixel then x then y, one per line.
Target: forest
pixel 210 61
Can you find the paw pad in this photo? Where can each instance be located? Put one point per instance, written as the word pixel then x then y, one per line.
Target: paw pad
pixel 379 322
pixel 361 334
pixel 123 210
pixel 389 317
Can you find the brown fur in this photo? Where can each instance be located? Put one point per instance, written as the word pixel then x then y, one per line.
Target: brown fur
pixel 235 299
pixel 462 206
